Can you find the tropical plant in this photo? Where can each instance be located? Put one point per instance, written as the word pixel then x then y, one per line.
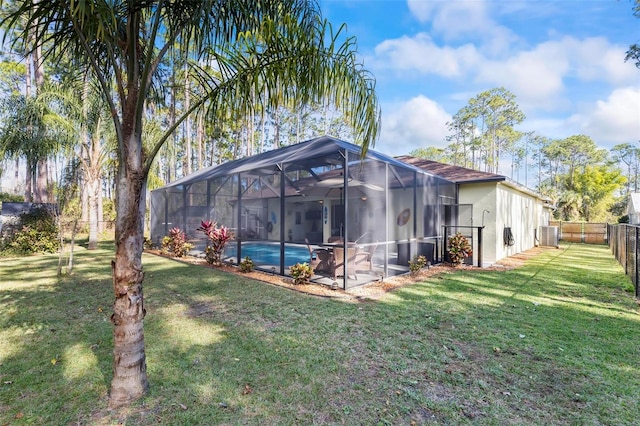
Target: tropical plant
pixel 418 262
pixel 301 273
pixel 246 264
pixel 29 129
pixel 176 243
pixel 83 115
pixel 276 48
pixel 218 239
pixel 458 248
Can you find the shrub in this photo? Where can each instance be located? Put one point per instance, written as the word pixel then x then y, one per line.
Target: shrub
pixel 246 264
pixel 417 264
pixel 148 244
pixel 176 243
pixel 459 248
pixel 38 234
pixel 301 273
pixel 11 198
pixel 218 239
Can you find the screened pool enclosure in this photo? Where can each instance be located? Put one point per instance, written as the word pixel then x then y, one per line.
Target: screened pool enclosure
pixel 355 219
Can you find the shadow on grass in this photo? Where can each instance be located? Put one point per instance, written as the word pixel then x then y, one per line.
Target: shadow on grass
pixel 55 344
pixel 541 344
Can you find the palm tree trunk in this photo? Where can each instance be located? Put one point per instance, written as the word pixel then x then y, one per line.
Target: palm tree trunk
pixel 129 359
pixel 93 188
pixel 85 203
pixel 200 136
pixel 28 183
pixel 17 176
pixel 42 193
pixel 187 127
pixel 101 226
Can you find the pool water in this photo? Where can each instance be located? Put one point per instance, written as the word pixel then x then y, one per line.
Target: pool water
pixel 269 253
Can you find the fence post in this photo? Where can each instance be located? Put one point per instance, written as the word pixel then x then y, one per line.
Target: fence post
pixel 626 250
pixel 635 262
pixel 480 247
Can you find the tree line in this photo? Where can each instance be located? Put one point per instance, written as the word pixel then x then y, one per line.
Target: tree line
pixel 583 181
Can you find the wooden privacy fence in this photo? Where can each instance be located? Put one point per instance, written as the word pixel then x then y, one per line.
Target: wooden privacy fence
pixel 624 241
pixel 581 232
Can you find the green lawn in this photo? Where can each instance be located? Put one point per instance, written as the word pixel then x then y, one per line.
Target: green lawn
pixel 553 342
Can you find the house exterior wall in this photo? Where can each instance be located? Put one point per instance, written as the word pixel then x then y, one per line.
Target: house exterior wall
pixel 633 208
pixel 483 196
pixel 508 208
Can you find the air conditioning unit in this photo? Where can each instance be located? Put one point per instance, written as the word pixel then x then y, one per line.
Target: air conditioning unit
pixel 549 236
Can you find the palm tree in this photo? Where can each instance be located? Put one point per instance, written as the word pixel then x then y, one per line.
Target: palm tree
pixel 282 44
pixel 83 112
pixel 29 130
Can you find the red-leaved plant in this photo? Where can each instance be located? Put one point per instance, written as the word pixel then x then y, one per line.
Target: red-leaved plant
pixel 176 243
pixel 218 239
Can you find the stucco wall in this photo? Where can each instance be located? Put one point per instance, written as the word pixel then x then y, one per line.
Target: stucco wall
pixel 507 207
pixel 519 212
pixel 483 197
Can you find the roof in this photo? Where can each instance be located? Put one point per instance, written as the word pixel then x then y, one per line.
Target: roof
pixel 463 175
pixel 305 155
pixel 455 174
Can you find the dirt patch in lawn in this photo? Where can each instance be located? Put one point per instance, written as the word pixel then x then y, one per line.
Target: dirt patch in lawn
pixel 371 291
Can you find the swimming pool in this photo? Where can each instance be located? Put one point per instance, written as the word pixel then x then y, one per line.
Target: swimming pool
pixel 263 253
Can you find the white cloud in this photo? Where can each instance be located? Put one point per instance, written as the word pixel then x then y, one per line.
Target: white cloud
pixel 420 53
pixel 457 20
pixel 538 76
pixel 596 59
pixel 608 122
pixel 535 76
pixel 422 10
pixel 612 121
pixel 419 122
pixel 452 18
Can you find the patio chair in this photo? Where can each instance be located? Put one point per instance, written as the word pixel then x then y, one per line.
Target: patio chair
pixel 320 260
pixel 364 258
pixel 338 261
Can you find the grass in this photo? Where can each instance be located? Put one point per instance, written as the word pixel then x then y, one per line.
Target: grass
pixel 553 342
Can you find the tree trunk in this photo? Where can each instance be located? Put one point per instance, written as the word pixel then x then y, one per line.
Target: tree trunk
pixel 84 201
pixel 187 126
pixel 17 176
pixel 101 226
pixel 93 186
pixel 42 193
pixel 74 231
pixel 129 360
pixel 200 137
pixel 94 174
pixel 28 181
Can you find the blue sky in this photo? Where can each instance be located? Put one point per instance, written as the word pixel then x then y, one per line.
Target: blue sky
pixel 563 60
